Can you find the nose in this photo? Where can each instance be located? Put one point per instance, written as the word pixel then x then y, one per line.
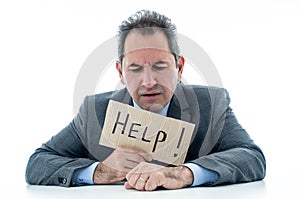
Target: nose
pixel 148 79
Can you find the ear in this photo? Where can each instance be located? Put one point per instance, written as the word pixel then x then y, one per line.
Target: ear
pixel 180 65
pixel 119 69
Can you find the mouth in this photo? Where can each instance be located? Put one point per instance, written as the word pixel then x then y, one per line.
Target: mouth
pixel 150 94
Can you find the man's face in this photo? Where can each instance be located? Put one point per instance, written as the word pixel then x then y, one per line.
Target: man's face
pixel 149 70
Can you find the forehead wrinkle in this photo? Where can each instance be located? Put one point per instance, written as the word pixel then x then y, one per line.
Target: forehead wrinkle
pixel 150 49
pixel 143 57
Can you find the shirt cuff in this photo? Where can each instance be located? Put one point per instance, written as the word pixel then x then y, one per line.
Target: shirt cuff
pixel 84 175
pixel 201 174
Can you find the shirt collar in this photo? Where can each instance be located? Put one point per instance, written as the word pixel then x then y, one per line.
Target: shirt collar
pixel 163 111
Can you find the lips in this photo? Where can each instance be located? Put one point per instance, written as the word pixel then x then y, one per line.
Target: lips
pixel 149 94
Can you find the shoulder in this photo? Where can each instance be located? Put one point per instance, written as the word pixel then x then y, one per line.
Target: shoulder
pixel 98 103
pixel 93 107
pixel 201 91
pixel 90 101
pixel 103 98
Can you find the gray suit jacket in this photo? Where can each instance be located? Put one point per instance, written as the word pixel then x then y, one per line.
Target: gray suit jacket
pixel 219 142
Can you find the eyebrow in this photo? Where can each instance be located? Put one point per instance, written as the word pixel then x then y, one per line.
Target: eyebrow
pixel 155 63
pixel 160 62
pixel 134 65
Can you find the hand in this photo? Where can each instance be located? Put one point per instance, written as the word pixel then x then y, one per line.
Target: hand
pixel 148 177
pixel 115 167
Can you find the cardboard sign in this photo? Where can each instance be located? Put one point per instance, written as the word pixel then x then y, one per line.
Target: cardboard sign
pixel 165 139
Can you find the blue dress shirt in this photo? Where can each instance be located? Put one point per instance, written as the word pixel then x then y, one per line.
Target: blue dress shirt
pixel 201 174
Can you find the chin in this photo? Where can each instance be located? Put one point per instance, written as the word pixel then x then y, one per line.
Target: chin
pixel 155 108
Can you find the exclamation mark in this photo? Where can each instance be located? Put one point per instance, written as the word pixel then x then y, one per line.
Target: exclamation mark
pixel 179 141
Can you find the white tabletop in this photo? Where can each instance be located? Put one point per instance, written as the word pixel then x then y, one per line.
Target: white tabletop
pixel 269 188
pixel 253 190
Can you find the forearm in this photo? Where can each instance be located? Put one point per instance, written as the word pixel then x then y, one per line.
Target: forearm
pixel 235 165
pixel 49 169
pixel 235 157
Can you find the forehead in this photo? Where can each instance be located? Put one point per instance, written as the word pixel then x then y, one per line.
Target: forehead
pixel 136 42
pixel 148 56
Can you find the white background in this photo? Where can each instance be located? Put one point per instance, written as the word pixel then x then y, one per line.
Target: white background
pixel 255 46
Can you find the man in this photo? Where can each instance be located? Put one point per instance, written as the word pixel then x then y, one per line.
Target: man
pixel 150 67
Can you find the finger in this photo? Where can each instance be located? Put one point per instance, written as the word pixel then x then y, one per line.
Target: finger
pixel 134 174
pixel 128 186
pixel 135 171
pixel 132 179
pixel 134 157
pixel 153 182
pixel 128 164
pixel 141 182
pixel 138 151
pixel 146 157
pixel 124 169
pixel 121 165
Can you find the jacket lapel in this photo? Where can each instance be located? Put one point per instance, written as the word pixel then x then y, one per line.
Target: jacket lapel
pixel 179 106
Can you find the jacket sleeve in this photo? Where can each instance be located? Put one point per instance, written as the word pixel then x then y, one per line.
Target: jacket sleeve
pixel 235 157
pixel 56 160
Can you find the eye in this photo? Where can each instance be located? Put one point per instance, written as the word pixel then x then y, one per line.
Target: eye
pixel 160 67
pixel 135 68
